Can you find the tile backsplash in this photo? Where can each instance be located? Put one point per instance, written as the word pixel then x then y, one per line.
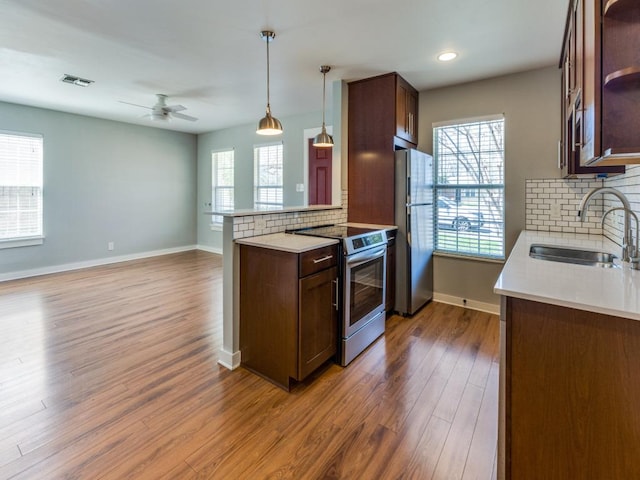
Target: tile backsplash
pixel 252 225
pixel 552 204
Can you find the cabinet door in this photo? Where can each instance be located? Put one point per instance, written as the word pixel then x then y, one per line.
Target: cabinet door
pixel 406 111
pixel 318 321
pixel 581 139
pixel 589 14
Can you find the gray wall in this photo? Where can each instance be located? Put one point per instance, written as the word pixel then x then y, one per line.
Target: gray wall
pixel 242 139
pixel 530 102
pixel 106 181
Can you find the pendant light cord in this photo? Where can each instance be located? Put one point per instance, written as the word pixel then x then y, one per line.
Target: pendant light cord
pixel 324 101
pixel 268 39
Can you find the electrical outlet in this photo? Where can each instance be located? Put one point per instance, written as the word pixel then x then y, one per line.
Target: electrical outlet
pixel 111 246
pixel 555 211
pixel 260 223
pixel 299 187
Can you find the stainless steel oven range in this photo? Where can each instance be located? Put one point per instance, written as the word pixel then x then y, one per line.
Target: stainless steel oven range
pixel 361 285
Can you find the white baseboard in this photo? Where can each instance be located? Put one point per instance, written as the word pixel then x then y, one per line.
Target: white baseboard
pixel 206 248
pixel 463 302
pixel 91 263
pixel 229 360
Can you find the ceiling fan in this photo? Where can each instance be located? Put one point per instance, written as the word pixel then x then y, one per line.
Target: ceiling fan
pixel 163 112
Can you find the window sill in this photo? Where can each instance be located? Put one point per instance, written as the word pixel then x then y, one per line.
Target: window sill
pixel 462 256
pixel 21 242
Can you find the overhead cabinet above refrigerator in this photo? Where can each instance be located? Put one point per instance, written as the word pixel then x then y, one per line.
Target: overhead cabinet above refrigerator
pixel 383 117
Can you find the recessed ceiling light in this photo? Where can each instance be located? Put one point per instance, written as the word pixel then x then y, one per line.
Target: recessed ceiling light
pixel 447 56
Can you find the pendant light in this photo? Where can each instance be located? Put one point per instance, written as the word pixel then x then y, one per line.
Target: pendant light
pixel 268 125
pixel 323 139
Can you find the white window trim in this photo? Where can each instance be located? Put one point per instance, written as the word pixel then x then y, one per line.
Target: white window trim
pixel 215 225
pixel 27 241
pixel 255 186
pixel 21 242
pixel 462 121
pixel 467 255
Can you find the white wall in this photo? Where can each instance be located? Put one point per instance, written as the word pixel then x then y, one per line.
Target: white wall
pixel 106 181
pixel 530 102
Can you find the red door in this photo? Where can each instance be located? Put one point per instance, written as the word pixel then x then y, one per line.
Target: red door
pixel 320 160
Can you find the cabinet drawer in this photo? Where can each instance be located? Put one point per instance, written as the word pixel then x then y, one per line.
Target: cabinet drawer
pixel 315 260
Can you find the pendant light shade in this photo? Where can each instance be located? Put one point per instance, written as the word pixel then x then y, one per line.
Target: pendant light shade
pixel 268 125
pixel 323 139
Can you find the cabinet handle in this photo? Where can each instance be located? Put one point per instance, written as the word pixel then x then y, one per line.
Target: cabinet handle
pixel 573 127
pixel 323 259
pixel 560 154
pixel 335 304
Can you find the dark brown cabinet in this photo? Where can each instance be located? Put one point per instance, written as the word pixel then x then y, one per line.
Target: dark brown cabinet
pixel 288 313
pixel 406 111
pixel 383 116
pixel 570 396
pixel 600 87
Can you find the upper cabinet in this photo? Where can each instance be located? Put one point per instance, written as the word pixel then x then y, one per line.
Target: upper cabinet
pixel 601 87
pixel 383 116
pixel 581 92
pixel 621 82
pixel 406 111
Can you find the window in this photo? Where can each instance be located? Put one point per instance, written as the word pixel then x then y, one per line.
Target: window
pixel 20 189
pixel 221 183
pixel 267 177
pixel 469 186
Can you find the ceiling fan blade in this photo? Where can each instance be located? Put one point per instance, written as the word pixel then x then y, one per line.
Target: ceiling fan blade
pixel 136 105
pixel 184 117
pixel 175 108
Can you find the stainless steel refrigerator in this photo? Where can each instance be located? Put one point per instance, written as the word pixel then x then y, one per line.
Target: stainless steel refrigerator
pixel 414 199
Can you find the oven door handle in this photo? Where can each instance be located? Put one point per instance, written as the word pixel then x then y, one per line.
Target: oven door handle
pixel 364 257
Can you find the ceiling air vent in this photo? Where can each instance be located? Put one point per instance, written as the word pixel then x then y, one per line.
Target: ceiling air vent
pixel 81 82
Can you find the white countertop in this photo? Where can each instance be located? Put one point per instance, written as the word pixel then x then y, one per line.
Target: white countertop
pixel 287 242
pixel 250 212
pixel 611 291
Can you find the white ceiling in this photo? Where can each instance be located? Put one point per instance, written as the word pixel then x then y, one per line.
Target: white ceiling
pixel 208 56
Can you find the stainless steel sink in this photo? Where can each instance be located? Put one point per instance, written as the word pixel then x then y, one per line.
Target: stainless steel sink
pixel 576 256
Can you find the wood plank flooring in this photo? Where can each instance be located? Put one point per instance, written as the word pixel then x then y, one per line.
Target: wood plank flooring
pixel 111 373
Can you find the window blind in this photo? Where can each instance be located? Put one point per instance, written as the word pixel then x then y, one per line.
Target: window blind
pixel 469 178
pixel 268 177
pixel 222 182
pixel 20 186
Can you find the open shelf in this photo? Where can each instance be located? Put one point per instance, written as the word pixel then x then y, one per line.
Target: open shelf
pixel 618 156
pixel 625 77
pixel 621 9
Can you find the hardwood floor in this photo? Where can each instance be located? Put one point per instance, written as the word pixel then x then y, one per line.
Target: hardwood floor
pixel 111 373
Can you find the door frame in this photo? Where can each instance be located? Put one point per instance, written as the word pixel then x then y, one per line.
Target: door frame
pixel 306 135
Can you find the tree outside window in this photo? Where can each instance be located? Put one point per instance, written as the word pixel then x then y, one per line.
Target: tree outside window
pixel 469 159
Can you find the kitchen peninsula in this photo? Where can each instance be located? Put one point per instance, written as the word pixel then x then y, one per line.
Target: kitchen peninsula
pixel 249 223
pixel 570 357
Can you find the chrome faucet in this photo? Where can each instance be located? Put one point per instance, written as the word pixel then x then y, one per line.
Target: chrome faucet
pixel 634 251
pixel 629 250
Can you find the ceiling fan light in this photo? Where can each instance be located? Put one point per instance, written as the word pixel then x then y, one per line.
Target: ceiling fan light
pixel 323 139
pixel 159 117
